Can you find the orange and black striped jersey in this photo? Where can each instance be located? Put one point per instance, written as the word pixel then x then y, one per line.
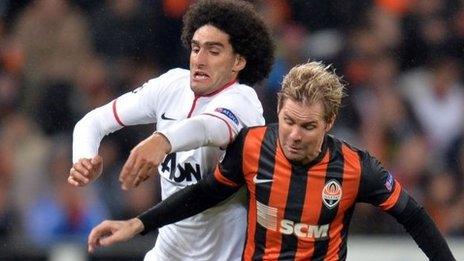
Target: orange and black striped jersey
pixel 302 212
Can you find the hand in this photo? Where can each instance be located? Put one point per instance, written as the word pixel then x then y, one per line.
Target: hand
pixel 144 160
pixel 85 171
pixel 111 231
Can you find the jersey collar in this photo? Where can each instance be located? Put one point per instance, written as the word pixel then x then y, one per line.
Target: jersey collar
pixel 218 90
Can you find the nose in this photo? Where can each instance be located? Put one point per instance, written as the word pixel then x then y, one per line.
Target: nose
pixel 295 134
pixel 199 58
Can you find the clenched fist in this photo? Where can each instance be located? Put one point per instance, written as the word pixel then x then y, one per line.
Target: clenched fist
pixel 85 171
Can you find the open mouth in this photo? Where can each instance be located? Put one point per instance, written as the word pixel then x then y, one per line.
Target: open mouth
pixel 199 76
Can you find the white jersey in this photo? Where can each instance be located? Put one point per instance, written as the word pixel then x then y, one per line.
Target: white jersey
pixel 217 233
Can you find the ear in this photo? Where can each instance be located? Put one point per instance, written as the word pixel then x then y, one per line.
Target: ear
pixel 239 64
pixel 330 124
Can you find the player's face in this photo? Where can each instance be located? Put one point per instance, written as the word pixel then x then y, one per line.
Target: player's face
pixel 213 62
pixel 301 130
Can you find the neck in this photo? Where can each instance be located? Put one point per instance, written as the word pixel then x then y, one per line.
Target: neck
pixel 229 83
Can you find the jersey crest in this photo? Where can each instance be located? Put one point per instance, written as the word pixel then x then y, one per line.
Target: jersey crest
pixel 331 193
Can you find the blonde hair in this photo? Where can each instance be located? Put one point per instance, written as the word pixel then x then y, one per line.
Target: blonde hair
pixel 313 82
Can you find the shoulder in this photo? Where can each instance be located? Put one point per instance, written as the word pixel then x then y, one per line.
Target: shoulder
pixel 239 91
pixel 350 154
pixel 261 132
pixel 346 146
pixel 241 101
pixel 240 97
pixel 369 164
pixel 245 90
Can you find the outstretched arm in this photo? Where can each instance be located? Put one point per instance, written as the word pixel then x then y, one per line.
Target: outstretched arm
pixel 186 203
pixel 379 187
pixel 182 204
pixel 191 133
pixel 423 230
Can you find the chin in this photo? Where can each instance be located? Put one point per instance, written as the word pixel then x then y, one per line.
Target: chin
pixel 293 157
pixel 199 89
pixel 195 88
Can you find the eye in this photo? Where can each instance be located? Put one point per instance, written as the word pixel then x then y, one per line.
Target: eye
pixel 288 121
pixel 195 49
pixel 309 127
pixel 214 52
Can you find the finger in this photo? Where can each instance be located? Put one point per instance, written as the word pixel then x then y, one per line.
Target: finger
pixel 94 237
pixel 145 178
pixel 127 168
pixel 96 160
pixel 73 182
pixel 151 172
pixel 109 240
pixel 92 246
pixel 130 178
pixel 77 176
pixel 81 169
pixel 143 174
pixel 86 163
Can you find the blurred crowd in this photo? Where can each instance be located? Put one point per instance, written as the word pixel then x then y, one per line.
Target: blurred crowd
pixel 402 61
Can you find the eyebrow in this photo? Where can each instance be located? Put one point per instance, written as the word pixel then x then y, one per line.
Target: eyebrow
pixel 209 44
pixel 302 123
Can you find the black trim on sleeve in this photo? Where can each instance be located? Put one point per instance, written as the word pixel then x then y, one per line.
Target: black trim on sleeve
pixel 186 203
pixel 423 230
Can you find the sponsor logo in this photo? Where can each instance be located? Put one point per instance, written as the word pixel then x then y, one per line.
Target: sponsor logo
pixel 228 113
pixel 331 193
pixel 389 182
pixel 180 172
pixel 267 218
pixel 164 117
pixel 303 230
pixel 258 181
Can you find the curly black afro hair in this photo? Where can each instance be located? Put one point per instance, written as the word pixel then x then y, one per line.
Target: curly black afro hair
pixel 248 34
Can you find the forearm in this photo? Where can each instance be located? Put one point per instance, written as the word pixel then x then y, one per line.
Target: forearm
pixel 421 227
pixel 185 203
pixel 202 130
pixel 91 129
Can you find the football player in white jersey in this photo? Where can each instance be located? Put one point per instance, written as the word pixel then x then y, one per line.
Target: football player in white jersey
pixel 198 112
